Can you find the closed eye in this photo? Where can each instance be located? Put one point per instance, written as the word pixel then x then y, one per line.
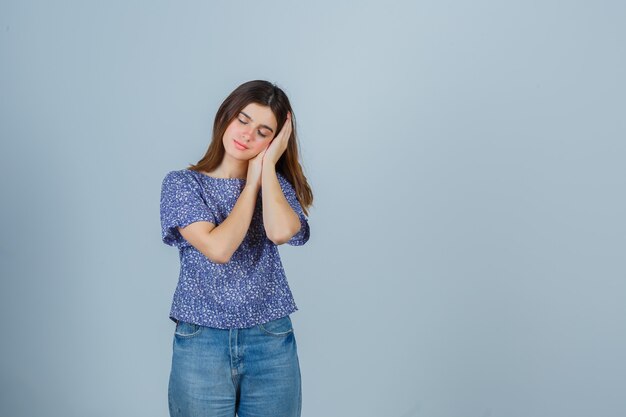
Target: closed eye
pixel 245 123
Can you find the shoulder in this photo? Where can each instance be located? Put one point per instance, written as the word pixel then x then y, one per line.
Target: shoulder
pixel 180 182
pixel 179 176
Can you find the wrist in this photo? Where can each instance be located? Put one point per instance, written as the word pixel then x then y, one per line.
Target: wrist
pixel 269 167
pixel 251 187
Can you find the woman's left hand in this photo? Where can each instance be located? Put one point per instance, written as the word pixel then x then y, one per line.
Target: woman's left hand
pixel 278 145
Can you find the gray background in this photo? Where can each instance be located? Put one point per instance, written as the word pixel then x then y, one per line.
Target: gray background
pixel 468 234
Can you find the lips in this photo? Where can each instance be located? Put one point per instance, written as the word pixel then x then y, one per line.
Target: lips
pixel 240 145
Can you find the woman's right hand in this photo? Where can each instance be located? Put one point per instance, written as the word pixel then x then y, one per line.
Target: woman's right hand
pixel 255 169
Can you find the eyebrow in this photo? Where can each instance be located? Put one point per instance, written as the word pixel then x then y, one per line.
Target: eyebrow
pixel 265 126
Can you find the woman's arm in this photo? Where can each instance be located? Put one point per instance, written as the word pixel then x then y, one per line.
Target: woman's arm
pixel 218 243
pixel 281 222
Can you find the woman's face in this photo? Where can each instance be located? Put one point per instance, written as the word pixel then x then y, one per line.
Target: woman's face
pixel 250 132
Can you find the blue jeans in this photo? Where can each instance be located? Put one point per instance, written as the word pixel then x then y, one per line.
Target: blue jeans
pixel 253 372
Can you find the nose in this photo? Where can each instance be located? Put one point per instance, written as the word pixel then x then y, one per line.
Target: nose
pixel 247 134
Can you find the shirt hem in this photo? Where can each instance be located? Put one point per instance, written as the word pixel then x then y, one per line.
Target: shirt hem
pixel 224 325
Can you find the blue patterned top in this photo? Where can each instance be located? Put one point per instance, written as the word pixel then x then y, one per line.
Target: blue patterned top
pixel 252 287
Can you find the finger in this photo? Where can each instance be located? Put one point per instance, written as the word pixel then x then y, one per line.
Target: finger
pixel 286 128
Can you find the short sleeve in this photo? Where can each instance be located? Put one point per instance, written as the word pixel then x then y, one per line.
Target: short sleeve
pixel 182 203
pixel 302 236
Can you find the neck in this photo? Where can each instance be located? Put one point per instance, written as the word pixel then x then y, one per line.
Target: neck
pixel 231 168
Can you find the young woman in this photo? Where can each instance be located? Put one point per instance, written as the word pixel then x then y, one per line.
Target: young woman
pixel 234 348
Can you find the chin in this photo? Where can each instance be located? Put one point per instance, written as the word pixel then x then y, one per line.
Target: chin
pixel 238 156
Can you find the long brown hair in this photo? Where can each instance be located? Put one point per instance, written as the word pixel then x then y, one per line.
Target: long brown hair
pixel 266 94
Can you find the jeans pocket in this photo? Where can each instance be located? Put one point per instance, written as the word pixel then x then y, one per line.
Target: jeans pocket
pixel 186 330
pixel 278 327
